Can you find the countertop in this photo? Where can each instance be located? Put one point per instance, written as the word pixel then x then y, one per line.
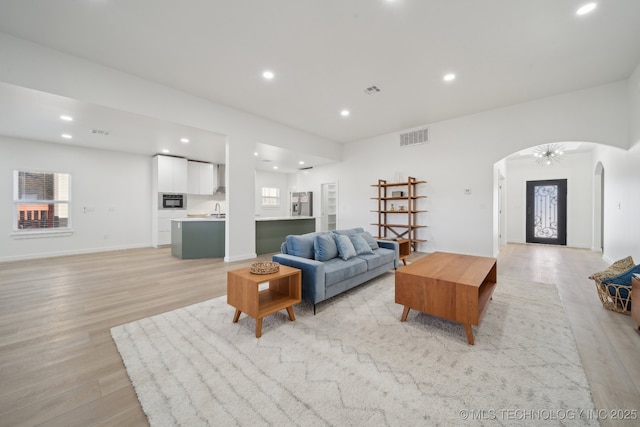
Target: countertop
pixel 198 218
pixel 258 218
pixel 282 218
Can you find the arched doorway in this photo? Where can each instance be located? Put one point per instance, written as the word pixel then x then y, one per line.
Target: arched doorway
pixel 513 173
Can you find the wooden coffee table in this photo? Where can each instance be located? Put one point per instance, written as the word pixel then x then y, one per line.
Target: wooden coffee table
pixel 452 286
pixel 243 292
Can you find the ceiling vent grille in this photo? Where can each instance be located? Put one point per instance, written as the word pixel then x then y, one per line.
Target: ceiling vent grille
pixel 372 90
pixel 415 137
pixel 100 132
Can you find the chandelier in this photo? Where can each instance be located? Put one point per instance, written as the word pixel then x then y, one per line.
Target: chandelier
pixel 548 154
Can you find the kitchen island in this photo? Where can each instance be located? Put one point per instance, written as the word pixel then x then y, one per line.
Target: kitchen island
pixel 198 237
pixel 204 237
pixel 272 231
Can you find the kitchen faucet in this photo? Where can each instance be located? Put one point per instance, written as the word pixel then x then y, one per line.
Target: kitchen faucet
pixel 217 209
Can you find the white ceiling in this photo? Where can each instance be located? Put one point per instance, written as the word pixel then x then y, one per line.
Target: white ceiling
pixel 31 114
pixel 324 53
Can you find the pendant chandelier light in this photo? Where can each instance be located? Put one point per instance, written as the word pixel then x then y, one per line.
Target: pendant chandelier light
pixel 547 155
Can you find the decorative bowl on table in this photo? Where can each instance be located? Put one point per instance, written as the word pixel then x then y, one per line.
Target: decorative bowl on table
pixel 264 267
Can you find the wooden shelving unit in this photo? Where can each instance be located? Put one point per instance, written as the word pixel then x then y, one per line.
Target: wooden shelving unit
pixel 397 214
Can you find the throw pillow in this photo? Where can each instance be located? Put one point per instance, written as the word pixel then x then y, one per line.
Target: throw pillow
pixel 625 277
pixel 301 245
pixel 369 239
pixel 614 269
pixel 345 247
pixel 324 247
pixel 360 245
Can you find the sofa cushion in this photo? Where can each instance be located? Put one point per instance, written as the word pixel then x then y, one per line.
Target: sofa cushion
pixel 345 247
pixel 378 257
pixel 301 245
pixel 369 239
pixel 324 247
pixel 361 246
pixel 336 270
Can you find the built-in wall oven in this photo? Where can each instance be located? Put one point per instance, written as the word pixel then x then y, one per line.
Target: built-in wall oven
pixel 172 201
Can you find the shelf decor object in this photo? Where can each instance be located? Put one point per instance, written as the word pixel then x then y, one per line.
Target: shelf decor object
pixel 264 267
pixel 399 223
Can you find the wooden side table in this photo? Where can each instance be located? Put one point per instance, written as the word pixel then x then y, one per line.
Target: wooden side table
pixel 243 293
pixel 635 306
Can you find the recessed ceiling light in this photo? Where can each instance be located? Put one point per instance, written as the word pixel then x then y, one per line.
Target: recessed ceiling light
pixel 184 140
pixel 275 167
pixel 66 136
pixel 268 75
pixel 165 151
pixel 255 153
pixel 583 10
pixel 301 162
pixel 66 118
pixel 344 113
pixel 449 77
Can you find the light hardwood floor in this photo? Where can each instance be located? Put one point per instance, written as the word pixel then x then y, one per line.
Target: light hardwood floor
pixel 59 365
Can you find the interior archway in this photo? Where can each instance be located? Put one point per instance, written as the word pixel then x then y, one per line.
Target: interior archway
pixel 515 170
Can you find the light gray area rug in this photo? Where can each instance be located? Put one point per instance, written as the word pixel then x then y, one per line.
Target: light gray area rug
pixel 355 363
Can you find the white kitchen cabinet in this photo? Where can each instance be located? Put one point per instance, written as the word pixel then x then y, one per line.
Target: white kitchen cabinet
pixel 163 233
pixel 201 178
pixel 193 174
pixel 172 174
pixel 207 177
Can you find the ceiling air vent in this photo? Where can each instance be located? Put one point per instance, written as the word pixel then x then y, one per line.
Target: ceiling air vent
pixel 372 90
pixel 100 132
pixel 415 137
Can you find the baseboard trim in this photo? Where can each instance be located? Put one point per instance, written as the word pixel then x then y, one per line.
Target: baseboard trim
pixel 24 257
pixel 240 257
pixel 607 259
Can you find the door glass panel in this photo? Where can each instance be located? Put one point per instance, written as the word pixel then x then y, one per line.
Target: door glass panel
pixel 546 211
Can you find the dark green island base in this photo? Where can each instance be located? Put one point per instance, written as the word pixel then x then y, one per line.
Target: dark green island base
pixel 197 239
pixel 270 233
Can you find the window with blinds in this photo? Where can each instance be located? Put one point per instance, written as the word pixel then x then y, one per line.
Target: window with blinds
pixel 270 197
pixel 41 200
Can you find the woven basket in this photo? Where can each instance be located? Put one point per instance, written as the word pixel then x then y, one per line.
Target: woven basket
pixel 615 302
pixel 264 267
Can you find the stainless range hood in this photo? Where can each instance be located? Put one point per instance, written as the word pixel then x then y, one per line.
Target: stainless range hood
pixel 221 182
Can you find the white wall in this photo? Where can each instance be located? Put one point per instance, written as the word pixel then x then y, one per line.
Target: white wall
pixel 576 169
pixel 621 201
pixel 622 185
pixel 461 154
pixel 117 186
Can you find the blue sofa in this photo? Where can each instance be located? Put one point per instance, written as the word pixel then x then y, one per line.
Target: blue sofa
pixel 333 262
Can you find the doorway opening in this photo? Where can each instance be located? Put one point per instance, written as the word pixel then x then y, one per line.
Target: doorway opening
pixel 598 209
pixel 329 206
pixel 546 219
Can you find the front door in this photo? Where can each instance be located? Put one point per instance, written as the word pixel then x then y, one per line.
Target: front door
pixel 547 212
